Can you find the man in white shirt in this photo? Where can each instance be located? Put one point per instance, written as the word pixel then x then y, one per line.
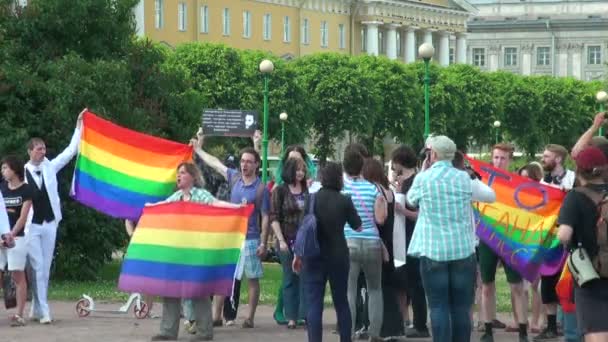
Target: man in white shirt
pixel 557 176
pixel 41 227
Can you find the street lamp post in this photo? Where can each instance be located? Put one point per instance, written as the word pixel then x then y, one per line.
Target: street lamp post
pixel 426 52
pixel 602 98
pixel 497 128
pixel 283 117
pixel 266 67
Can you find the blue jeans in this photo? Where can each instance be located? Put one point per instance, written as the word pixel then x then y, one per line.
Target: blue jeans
pixel 570 325
pixel 294 303
pixel 450 291
pixel 318 272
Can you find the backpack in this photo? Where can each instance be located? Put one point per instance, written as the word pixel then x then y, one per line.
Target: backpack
pixel 600 261
pixel 307 244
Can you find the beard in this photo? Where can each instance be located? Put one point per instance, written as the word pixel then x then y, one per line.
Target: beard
pixel 548 167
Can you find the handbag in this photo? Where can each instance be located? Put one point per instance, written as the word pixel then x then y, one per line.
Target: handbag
pixel 385 256
pixel 581 267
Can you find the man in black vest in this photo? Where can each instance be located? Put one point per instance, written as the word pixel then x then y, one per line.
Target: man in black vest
pixel 41 227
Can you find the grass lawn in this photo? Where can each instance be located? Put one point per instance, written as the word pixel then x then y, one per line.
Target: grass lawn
pixel 104 289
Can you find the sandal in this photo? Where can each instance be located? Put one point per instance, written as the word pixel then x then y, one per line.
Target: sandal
pixel 17 321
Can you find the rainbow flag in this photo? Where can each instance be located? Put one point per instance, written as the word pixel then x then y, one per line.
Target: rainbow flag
pixel 521 225
pixel 185 250
pixel 565 290
pixel 119 170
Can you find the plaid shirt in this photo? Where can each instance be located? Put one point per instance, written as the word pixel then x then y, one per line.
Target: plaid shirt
pixel 443 230
pixel 196 195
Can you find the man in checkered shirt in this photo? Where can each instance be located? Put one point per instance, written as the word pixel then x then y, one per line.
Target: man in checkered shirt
pixel 443 241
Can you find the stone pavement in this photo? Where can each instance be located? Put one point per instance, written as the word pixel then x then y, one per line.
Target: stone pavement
pixel 106 327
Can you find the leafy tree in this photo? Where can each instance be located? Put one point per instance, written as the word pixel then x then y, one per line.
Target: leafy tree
pixel 338 97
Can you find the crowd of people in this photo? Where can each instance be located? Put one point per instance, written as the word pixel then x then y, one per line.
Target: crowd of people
pixel 448 275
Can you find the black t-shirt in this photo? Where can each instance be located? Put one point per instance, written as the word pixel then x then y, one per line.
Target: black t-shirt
pixel 14 199
pixel 581 213
pixel 409 223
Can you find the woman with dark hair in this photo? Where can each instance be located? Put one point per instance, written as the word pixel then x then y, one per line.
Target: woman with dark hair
pixel 189 185
pixel 332 210
pixel 392 323
pixel 18 202
pixel 289 202
pixel 295 151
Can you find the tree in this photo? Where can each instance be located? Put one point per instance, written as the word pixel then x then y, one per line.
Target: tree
pixel 338 96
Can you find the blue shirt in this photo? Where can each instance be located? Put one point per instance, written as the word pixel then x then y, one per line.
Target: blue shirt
pixel 443 229
pixel 363 195
pixel 246 193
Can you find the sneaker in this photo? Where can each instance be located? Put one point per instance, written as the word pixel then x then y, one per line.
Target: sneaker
pixel 546 335
pixel 46 320
pixel 17 321
pixel 230 323
pixel 487 338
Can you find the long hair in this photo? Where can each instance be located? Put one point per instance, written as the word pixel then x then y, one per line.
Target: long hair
pixel 15 164
pixel 374 172
pixel 289 172
pixel 194 172
pixel 311 169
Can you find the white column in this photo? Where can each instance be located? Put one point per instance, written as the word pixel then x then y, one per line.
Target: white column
pixel 139 14
pixel 577 60
pixel 428 36
pixel 410 45
pixel 526 59
pixel 493 51
pixel 461 48
pixel 391 41
pixel 562 60
pixel 444 48
pixel 372 37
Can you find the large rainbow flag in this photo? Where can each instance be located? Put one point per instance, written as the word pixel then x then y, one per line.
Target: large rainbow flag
pixel 521 225
pixel 119 170
pixel 184 250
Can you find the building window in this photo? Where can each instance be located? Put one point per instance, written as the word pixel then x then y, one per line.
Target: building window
pixel 226 22
pixel 510 56
pixel 479 57
pixel 181 16
pixel 286 30
pixel 158 14
pixel 543 55
pixel 324 34
pixel 451 55
pixel 204 19
pixel 246 24
pixel 341 36
pixel 594 55
pixel 267 26
pixel 398 43
pixel 363 40
pixel 305 31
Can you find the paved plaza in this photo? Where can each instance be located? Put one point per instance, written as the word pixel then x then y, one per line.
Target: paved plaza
pixel 105 327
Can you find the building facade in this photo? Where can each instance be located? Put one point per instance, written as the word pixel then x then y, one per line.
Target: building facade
pixel 293 28
pixel 563 38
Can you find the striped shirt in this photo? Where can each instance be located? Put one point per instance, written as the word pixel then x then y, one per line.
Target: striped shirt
pixel 443 230
pixel 363 194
